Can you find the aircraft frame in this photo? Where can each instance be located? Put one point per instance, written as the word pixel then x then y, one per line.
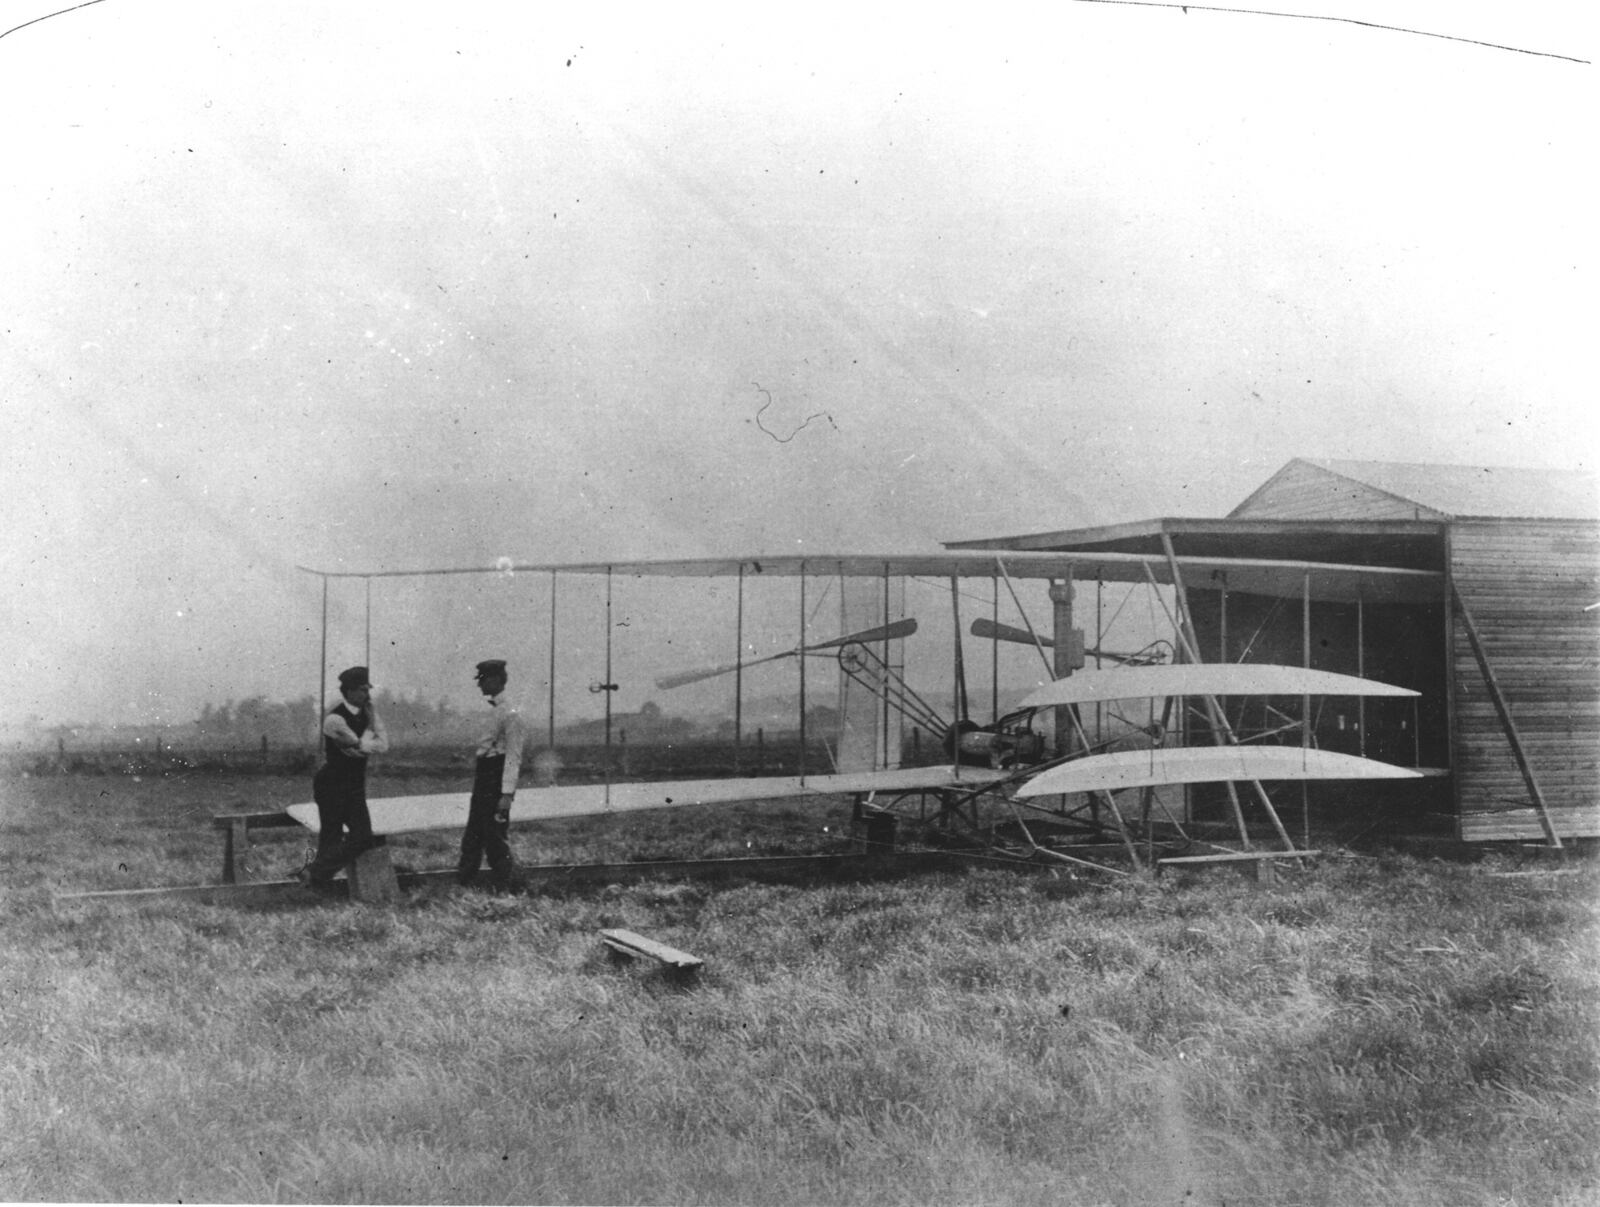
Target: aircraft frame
pixel 995 764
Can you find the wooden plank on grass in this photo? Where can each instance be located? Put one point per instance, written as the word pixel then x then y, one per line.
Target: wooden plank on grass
pixel 1236 857
pixel 625 942
pixel 260 893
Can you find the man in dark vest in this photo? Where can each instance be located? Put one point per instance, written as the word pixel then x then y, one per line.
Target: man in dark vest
pixel 494 782
pixel 351 730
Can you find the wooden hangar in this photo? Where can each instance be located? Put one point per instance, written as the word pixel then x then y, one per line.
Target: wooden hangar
pixel 1484 597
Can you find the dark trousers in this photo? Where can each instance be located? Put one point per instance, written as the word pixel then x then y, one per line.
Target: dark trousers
pixel 346 824
pixel 484 836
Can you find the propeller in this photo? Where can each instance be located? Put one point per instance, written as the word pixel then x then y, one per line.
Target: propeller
pixel 1006 632
pixel 887 632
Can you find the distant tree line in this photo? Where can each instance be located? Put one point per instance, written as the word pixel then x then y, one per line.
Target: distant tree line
pixel 297 721
pixel 255 721
pixel 411 720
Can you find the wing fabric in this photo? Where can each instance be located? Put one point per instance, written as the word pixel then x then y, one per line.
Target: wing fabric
pixel 1204 679
pixel 1206 764
pixel 448 811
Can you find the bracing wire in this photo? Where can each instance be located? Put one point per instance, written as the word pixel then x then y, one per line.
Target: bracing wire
pixel 47 16
pixel 1399 29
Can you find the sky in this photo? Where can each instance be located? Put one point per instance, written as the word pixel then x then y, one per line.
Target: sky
pixel 376 287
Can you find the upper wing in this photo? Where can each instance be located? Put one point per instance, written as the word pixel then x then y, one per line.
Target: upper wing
pixel 1260 576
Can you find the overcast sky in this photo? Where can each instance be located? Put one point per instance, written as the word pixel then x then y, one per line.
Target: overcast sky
pixel 377 286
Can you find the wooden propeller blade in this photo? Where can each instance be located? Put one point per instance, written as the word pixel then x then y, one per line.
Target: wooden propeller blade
pixel 668 682
pixel 1005 632
pixel 887 632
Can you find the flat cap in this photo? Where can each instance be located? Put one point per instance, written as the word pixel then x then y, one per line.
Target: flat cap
pixel 490 666
pixel 353 678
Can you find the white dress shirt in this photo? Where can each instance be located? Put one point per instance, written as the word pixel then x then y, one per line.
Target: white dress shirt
pixel 506 735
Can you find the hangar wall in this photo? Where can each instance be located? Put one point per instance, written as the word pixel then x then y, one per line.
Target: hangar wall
pixel 1527 585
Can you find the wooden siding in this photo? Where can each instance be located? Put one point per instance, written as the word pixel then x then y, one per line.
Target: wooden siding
pixel 1527 584
pixel 1300 491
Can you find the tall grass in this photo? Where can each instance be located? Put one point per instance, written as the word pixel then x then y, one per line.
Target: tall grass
pixel 1369 1031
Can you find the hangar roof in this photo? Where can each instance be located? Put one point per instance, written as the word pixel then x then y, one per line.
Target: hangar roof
pixel 1449 491
pixel 1430 496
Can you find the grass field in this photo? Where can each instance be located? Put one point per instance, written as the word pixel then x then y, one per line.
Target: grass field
pixel 1380 1030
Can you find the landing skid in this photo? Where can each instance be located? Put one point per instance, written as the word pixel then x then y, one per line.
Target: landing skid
pixel 948 818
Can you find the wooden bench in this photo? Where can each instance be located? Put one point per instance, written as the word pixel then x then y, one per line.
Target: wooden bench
pixel 626 943
pixel 236 829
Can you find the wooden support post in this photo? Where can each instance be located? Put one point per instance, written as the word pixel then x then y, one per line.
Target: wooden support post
pixel 1306 721
pixel 1099 644
pixel 801 659
pixel 235 848
pixel 1552 839
pixel 1361 665
pixel 551 722
pixel 888 755
pixel 958 703
pixel 608 687
pixel 322 683
pixel 1061 600
pixel 738 673
pixel 994 650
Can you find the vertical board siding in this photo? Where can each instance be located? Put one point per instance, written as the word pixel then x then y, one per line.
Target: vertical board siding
pixel 1527 584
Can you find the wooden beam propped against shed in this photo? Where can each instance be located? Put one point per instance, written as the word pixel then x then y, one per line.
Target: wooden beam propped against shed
pixel 1552 839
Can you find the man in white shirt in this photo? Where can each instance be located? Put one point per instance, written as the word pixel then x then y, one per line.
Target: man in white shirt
pixel 494 782
pixel 351 730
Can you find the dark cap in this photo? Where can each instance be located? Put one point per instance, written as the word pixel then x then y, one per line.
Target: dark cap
pixel 490 666
pixel 353 678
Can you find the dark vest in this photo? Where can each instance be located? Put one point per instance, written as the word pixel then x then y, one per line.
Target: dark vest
pixel 338 762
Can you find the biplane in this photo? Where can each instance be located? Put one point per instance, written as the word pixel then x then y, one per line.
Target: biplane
pixel 1044 760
